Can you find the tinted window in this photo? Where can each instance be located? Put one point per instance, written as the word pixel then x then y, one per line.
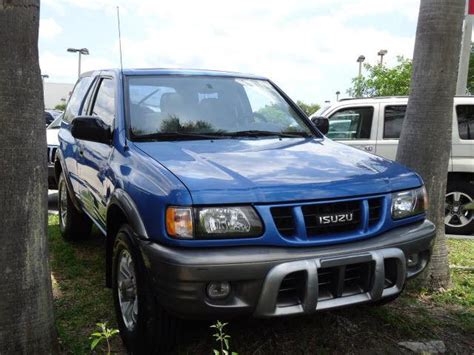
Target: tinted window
pixel 393 121
pixel 465 121
pixel 218 105
pixel 351 123
pixel 104 105
pixel 74 106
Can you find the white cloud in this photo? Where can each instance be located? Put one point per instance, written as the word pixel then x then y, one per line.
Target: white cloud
pixel 308 47
pixel 63 68
pixel 49 28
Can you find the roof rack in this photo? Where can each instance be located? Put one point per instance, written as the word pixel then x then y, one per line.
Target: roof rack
pixel 373 98
pixel 390 97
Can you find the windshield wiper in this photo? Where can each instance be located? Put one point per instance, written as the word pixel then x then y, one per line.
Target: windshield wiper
pixel 166 136
pixel 258 133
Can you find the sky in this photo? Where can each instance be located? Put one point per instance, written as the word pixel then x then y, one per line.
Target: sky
pixel 307 47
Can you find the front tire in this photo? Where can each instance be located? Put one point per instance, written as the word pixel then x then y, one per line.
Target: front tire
pixel 459 220
pixel 145 327
pixel 73 223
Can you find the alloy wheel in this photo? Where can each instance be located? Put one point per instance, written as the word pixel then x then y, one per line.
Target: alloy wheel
pixel 127 289
pixel 455 213
pixel 63 203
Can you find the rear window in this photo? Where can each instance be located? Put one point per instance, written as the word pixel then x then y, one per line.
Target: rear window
pixel 465 115
pixel 393 121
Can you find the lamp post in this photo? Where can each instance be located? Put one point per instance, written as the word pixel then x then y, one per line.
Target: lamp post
pixel 337 95
pixel 44 76
pixel 381 53
pixel 80 51
pixel 360 60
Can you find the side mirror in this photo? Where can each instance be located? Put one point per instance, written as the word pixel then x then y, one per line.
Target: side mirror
pixel 321 123
pixel 91 128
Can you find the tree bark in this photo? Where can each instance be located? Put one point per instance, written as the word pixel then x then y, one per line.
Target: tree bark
pixel 26 311
pixel 425 141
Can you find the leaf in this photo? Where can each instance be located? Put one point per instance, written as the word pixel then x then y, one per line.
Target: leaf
pixel 216 352
pixel 96 334
pixel 226 342
pixel 95 342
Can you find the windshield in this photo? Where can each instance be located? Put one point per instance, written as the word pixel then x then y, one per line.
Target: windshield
pixel 170 106
pixel 57 122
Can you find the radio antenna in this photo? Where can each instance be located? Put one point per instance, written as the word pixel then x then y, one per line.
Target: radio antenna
pixel 120 38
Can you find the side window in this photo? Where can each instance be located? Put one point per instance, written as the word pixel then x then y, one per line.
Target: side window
pixel 465 115
pixel 104 104
pixel 351 123
pixel 393 120
pixel 74 106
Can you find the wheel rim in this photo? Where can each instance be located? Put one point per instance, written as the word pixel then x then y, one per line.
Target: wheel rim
pixel 127 289
pixel 455 213
pixel 62 206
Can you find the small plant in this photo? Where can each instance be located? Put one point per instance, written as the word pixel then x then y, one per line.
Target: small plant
pixel 222 339
pixel 104 333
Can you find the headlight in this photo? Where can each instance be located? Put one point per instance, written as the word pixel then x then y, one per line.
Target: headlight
pixel 227 222
pixel 409 203
pixel 213 222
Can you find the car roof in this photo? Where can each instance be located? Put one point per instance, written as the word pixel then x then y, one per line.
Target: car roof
pixel 384 99
pixel 179 71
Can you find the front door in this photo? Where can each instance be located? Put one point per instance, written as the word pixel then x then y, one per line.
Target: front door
pixel 94 168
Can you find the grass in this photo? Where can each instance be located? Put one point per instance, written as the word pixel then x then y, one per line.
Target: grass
pixel 81 301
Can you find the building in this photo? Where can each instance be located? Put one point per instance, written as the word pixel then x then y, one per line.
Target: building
pixel 56 93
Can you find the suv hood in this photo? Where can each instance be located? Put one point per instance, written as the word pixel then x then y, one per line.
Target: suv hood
pixel 276 170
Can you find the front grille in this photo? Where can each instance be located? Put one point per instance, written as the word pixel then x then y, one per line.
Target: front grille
pixel 324 220
pixel 312 214
pixel 291 290
pixel 52 154
pixel 375 210
pixel 284 220
pixel 333 282
pixel 343 281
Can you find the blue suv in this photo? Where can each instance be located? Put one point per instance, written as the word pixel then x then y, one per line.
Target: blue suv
pixel 220 198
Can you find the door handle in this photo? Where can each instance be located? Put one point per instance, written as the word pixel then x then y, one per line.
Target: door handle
pixel 368 148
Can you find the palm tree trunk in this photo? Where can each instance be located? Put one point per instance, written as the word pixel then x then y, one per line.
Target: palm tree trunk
pixel 425 141
pixel 26 312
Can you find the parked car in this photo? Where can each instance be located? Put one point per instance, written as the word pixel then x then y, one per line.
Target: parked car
pixel 375 126
pixel 51 115
pixel 52 140
pixel 219 198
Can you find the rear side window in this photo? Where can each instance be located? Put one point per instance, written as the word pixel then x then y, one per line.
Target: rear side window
pixel 351 123
pixel 465 115
pixel 393 121
pixel 104 104
pixel 74 106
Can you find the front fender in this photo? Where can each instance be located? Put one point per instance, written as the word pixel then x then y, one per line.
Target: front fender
pixel 122 200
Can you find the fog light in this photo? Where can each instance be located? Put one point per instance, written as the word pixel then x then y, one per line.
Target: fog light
pixel 412 260
pixel 218 290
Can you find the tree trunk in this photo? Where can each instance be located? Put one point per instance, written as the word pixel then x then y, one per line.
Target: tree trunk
pixel 26 311
pixel 425 141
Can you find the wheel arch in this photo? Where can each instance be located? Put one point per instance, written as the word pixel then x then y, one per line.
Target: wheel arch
pixel 464 176
pixel 121 210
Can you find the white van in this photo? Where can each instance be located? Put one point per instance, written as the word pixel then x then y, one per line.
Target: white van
pixel 374 125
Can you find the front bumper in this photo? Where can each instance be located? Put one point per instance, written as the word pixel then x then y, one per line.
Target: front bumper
pixel 273 281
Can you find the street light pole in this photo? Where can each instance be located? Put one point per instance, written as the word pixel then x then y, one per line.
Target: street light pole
pixel 79 51
pixel 381 53
pixel 337 95
pixel 44 76
pixel 360 60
